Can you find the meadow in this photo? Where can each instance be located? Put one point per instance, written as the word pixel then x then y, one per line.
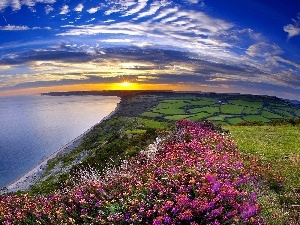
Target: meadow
pixel 234 159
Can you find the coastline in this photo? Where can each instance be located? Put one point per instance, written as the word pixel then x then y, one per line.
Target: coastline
pixel 32 176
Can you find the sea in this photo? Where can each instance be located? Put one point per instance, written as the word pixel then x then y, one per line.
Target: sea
pixel 32 127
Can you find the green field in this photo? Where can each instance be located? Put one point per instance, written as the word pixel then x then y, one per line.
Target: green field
pixel 279 145
pixel 222 109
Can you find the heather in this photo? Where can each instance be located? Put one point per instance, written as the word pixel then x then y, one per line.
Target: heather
pixel 192 175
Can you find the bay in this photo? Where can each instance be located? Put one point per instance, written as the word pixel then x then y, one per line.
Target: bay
pixel 33 127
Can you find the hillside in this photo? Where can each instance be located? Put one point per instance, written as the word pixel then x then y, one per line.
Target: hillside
pixel 143 116
pixel 193 175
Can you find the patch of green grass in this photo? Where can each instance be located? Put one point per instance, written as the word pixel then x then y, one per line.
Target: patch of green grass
pixel 270 115
pixel 170 108
pixel 177 117
pixel 231 109
pixel 283 112
pixel 235 120
pixel 279 145
pixel 203 102
pixel 252 104
pixel 135 131
pixel 297 112
pixel 207 109
pixel 170 111
pixel 250 110
pixel 151 114
pixel 153 124
pixel 220 117
pixel 199 116
pixel 255 118
pixel 176 103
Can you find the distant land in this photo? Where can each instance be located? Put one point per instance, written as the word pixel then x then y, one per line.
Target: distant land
pixel 123 93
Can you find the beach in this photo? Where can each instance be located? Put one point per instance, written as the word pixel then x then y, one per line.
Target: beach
pixel 26 181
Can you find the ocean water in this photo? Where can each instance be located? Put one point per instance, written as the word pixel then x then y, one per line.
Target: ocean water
pixel 33 127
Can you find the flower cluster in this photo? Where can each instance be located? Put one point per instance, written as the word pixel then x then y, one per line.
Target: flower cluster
pixel 197 176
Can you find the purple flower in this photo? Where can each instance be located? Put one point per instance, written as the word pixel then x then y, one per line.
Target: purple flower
pixel 216 187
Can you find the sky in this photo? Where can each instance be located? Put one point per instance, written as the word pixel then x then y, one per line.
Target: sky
pixel 232 46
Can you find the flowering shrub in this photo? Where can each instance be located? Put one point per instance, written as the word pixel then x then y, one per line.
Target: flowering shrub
pixel 196 176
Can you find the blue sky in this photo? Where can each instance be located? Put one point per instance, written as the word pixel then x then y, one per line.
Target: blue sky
pixel 246 46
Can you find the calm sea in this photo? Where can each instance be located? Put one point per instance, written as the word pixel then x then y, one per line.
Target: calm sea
pixel 33 127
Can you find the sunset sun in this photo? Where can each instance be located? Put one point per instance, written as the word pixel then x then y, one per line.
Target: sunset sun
pixel 126 84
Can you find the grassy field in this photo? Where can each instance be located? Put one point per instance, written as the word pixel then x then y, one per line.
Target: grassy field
pixel 222 109
pixel 278 145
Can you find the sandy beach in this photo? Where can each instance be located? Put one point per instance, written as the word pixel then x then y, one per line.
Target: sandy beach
pixel 31 177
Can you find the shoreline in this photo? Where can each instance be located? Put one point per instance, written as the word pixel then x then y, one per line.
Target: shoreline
pixel 25 181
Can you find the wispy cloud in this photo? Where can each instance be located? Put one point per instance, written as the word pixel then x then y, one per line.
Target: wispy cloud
pixel 293 29
pixel 12 28
pixel 165 13
pixel 154 7
pixel 17 4
pixel 115 6
pixel 140 6
pixel 117 40
pixel 48 9
pixel 263 49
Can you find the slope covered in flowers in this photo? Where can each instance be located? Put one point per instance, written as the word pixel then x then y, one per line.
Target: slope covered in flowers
pixel 194 175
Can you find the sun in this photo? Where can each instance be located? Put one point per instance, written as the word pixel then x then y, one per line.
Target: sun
pixel 126 84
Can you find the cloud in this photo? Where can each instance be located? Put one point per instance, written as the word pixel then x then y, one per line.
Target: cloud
pixel 93 10
pixel 263 49
pixel 118 6
pixel 64 10
pixel 154 7
pixel 193 1
pixel 14 28
pixel 116 40
pixel 140 5
pixel 166 13
pixel 48 9
pixel 79 8
pixel 17 4
pixel 293 29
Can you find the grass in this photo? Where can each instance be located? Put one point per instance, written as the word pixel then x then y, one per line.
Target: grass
pixel 231 109
pixel 251 110
pixel 270 115
pixel 153 124
pixel 207 109
pixel 235 120
pixel 279 145
pixel 252 104
pixel 177 117
pixel 255 118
